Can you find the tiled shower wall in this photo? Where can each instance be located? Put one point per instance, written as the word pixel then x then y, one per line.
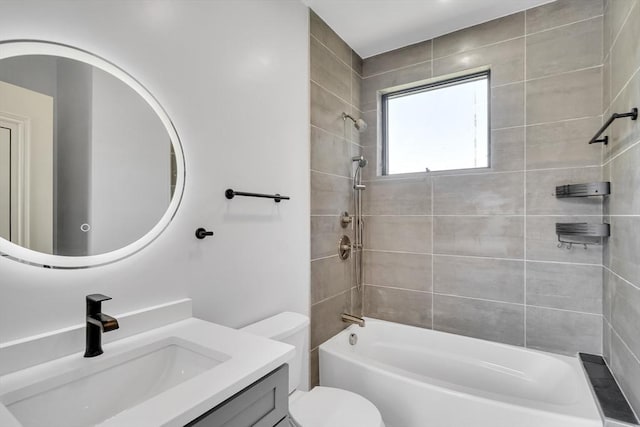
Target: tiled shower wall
pixel 474 252
pixel 622 208
pixel 335 88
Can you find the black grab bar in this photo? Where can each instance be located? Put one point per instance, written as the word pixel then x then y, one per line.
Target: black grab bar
pixel 633 114
pixel 230 194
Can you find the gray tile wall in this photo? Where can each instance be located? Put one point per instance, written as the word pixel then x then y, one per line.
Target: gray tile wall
pixel 621 92
pixel 335 88
pixel 475 253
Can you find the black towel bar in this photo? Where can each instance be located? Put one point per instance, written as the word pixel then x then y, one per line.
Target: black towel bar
pixel 633 114
pixel 230 194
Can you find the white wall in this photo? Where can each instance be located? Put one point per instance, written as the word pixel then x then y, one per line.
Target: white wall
pixel 233 77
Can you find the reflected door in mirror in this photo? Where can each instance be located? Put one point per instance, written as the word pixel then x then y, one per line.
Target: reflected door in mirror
pixel 5 183
pixel 28 117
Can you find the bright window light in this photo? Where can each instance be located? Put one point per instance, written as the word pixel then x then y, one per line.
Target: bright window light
pixel 441 126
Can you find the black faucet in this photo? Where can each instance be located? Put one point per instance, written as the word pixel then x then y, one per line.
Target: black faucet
pixel 97 322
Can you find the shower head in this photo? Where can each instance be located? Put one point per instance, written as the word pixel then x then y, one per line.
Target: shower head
pixel 359 124
pixel 362 162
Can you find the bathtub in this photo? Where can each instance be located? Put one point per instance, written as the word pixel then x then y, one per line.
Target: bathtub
pixel 423 378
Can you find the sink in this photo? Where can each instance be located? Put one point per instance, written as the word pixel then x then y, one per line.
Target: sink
pixel 92 394
pixel 163 377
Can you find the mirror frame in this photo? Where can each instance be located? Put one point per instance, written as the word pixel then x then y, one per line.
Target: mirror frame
pixel 13 48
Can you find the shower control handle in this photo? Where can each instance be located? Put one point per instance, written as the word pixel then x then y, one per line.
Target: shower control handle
pixel 344 247
pixel 345 219
pixel 347 247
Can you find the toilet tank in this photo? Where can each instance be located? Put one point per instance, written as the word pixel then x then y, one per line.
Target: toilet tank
pixel 290 328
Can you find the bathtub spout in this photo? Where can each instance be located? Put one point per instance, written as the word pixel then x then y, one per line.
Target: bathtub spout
pixel 350 318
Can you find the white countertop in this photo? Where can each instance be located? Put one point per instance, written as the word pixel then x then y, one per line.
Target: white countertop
pixel 251 357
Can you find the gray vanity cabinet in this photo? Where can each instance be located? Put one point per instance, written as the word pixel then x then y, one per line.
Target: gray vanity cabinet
pixel 264 403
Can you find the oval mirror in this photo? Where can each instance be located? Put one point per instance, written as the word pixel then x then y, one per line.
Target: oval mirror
pixel 91 167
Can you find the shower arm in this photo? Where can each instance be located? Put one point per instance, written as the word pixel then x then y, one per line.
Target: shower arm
pixel 359 124
pixel 346 116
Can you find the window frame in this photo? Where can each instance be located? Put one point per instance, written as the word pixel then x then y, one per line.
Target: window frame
pixel 441 83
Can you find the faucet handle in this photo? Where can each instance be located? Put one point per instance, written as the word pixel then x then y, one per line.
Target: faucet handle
pixel 94 303
pixel 97 298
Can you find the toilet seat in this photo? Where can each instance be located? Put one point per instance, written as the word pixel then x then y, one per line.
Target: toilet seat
pixel 332 407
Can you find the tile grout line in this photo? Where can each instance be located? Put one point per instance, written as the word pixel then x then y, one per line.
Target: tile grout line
pixel 416 176
pixel 433 285
pixel 613 42
pixel 562 25
pixel 575 119
pixel 483 299
pixel 333 53
pixel 330 297
pixel 431 58
pixel 622 278
pixel 493 215
pixel 515 82
pixel 346 141
pixel 598 116
pixel 625 344
pixel 329 174
pixel 562 73
pixel 621 153
pixel 332 93
pixel 524 233
pixel 484 46
pixel 323 258
pixel 624 86
pixel 397 252
pixel 624 22
pixel 361 293
pixel 583 264
pixel 602 148
pixel 310 373
pixel 344 122
pixel 605 324
pixel 345 127
pixel 404 67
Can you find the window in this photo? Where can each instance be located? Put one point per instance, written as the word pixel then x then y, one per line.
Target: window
pixel 439 126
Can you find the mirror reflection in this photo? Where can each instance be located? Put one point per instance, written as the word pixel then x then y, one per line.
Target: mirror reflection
pixel 86 165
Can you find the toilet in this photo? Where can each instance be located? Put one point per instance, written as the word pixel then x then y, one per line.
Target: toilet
pixel 322 406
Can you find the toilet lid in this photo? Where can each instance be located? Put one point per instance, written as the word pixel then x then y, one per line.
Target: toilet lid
pixel 332 407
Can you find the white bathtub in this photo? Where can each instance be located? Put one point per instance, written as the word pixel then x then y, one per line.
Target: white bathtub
pixel 422 378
